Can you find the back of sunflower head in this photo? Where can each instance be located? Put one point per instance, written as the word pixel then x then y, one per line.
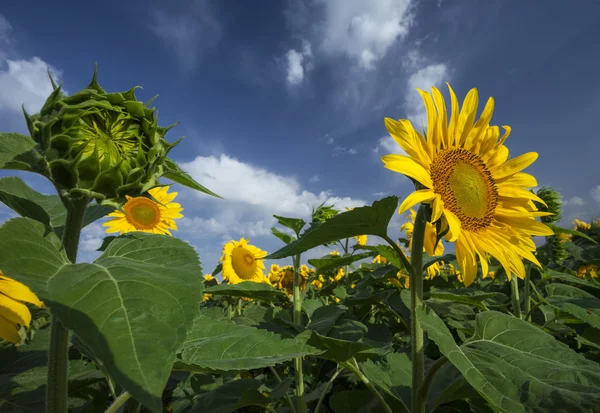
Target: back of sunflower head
pixel 98 144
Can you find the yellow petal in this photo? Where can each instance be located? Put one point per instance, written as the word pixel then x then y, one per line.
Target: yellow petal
pixel 8 331
pixel 416 197
pixel 521 179
pixel 432 133
pixel 18 291
pixel 466 117
pixel 514 165
pixel 509 191
pixel 481 125
pixel 407 166
pixel 14 311
pixel 454 224
pixel 453 116
pixel 466 260
pixel 530 225
pixel 438 208
pixel 442 117
pixel 404 134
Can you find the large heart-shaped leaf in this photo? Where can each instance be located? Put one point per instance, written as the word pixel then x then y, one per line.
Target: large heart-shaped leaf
pixel 218 344
pixel 392 374
pixel 368 220
pixel 132 308
pixel 31 253
pixel 517 367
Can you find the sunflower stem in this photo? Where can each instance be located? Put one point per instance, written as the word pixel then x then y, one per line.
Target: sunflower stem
pixel 416 302
pixel 58 350
pixel 338 370
pixel 119 401
pixel 516 301
pixel 352 365
pixel 527 291
pixel 298 321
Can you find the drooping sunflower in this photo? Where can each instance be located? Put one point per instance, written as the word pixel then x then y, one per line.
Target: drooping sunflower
pixel 13 313
pixel 147 215
pixel 462 171
pixel 242 262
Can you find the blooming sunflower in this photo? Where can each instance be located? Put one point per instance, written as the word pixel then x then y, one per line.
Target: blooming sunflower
pixel 430 235
pixel 242 262
pixel 13 312
pixel 588 270
pixel 580 225
pixel 144 214
pixel 379 259
pixel 463 172
pixel 361 240
pixel 275 275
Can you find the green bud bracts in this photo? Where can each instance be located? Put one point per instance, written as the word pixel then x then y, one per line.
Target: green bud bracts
pixel 554 204
pixel 323 213
pixel 99 144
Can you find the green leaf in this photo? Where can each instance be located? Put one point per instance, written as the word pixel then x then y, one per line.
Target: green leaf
pixel 176 174
pixel 334 349
pixel 348 330
pixel 331 262
pixel 559 230
pixel 392 374
pixel 295 224
pixel 217 344
pixel 132 308
pixel 17 152
pixel 555 275
pixel 231 397
pixel 574 301
pixel 517 367
pixel 31 254
pixel 323 318
pixel 287 238
pixel 368 220
pixel 360 401
pixel 248 289
pixel 24 371
pixel 428 261
pixel 47 209
pixel 468 296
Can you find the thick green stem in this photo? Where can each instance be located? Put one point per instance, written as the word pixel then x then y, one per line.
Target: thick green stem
pixel 416 302
pixel 119 401
pixel 424 391
pixel 527 290
pixel 58 357
pixel 327 387
pixel 298 321
pixel 516 302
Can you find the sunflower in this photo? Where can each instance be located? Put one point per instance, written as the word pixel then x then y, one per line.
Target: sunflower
pixel 463 173
pixel 242 262
pixel 361 240
pixel 588 270
pixel 430 235
pixel 13 313
pixel 318 282
pixel 275 275
pixel 144 214
pixel 335 253
pixel 339 274
pixel 580 225
pixel 379 259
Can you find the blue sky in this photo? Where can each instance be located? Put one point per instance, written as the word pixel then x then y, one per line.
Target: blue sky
pixel 282 102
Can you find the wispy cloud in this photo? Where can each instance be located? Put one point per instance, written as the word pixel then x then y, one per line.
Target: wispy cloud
pixel 298 63
pixel 314 179
pixel 188 32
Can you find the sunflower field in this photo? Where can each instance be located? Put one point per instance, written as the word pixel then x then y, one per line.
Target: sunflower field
pixel 500 324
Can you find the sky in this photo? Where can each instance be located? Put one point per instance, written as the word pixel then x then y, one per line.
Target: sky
pixel 282 103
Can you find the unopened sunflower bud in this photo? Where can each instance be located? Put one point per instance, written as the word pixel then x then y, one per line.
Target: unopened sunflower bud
pixel 99 144
pixel 557 247
pixel 323 213
pixel 553 204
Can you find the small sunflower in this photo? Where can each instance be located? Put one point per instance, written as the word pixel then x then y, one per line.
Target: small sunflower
pixel 318 282
pixel 242 262
pixel 144 214
pixel 588 270
pixel 379 259
pixel 339 274
pixel 275 275
pixel 361 240
pixel 335 253
pixel 463 172
pixel 580 225
pixel 430 235
pixel 13 313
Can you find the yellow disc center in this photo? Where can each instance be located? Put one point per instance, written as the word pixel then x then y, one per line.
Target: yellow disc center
pixel 466 187
pixel 243 263
pixel 142 213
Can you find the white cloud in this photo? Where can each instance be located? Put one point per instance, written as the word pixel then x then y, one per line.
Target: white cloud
pixel 314 179
pixel 188 33
pixel 330 140
pixel 26 82
pixel 574 201
pixel 364 30
pixel 341 150
pixel 249 185
pixel 595 192
pixel 298 63
pixel 432 75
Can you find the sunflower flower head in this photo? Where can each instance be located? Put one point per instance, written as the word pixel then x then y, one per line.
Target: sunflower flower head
pixel 379 259
pixel 322 213
pixel 429 244
pixel 155 213
pixel 588 271
pixel 361 240
pixel 99 144
pixel 335 253
pixel 13 311
pixel 242 262
pixel 552 203
pixel 462 171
